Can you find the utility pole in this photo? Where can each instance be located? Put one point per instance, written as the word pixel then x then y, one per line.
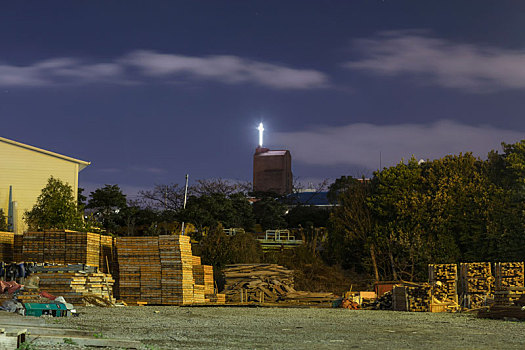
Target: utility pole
pixel 185 198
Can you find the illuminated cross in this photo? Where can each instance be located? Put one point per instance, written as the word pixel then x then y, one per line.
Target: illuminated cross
pixel 261 129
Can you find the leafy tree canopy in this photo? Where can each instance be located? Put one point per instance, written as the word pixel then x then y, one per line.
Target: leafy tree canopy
pixel 55 208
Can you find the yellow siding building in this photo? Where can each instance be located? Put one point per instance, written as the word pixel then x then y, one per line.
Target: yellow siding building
pixel 25 169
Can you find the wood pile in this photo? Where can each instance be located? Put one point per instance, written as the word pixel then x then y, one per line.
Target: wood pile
pixel 257 282
pixel 303 297
pixel 6 246
pixel 509 274
pixel 203 275
pixel 412 297
pixel 477 283
pixel 444 278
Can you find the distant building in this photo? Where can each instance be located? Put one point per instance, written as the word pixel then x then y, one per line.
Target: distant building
pixel 24 171
pixel 272 171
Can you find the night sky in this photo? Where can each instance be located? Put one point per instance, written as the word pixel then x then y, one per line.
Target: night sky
pixel 151 90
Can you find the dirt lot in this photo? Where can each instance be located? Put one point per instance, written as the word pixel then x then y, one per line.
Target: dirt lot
pixel 162 327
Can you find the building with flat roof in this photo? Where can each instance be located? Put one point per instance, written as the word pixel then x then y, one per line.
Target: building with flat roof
pixel 24 172
pixel 272 171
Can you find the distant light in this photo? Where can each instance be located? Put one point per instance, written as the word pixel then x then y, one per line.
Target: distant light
pixel 261 129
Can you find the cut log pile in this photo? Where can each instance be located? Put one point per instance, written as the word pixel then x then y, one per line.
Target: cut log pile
pixel 509 274
pixel 444 278
pixel 266 283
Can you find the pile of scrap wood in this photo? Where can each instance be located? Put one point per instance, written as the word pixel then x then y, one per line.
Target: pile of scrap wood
pixel 257 282
pixel 73 282
pixel 266 283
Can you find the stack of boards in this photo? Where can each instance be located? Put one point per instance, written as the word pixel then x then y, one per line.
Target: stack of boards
pixel 67 247
pixel 160 270
pixel 74 284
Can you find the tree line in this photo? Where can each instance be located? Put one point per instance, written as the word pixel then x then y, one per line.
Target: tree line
pixel 453 209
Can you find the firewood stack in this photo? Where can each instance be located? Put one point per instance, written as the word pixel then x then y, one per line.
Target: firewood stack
pixel 257 282
pixel 509 274
pixel 443 278
pixel 477 282
pixel 510 284
pixel 412 297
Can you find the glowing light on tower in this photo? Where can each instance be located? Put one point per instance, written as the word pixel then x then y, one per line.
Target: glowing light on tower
pixel 261 129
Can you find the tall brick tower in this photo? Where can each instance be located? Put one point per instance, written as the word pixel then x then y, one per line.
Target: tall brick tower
pixel 272 171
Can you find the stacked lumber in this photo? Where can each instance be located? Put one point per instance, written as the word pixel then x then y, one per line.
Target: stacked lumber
pixel 257 282
pixel 61 247
pixel 176 261
pixel 18 244
pixel 412 297
pixel 159 270
pixel 508 296
pixel 203 274
pixel 74 286
pixel 6 246
pixel 132 253
pixel 443 278
pixel 105 261
pixel 82 247
pixel 509 274
pixel 477 282
pixel 304 297
pixel 219 298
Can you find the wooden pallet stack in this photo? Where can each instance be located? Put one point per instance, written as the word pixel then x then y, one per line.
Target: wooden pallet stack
pixel 106 253
pixel 6 246
pixel 18 245
pixel 82 248
pixel 33 247
pixel 55 247
pixel 477 283
pixel 176 260
pixel 444 278
pixel 61 247
pixel 128 252
pixel 150 272
pixel 412 297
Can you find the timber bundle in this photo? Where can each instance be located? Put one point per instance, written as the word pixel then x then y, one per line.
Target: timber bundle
pixel 266 283
pixel 443 278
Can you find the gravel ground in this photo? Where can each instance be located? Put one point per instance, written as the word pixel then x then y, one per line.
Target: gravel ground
pixel 167 327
